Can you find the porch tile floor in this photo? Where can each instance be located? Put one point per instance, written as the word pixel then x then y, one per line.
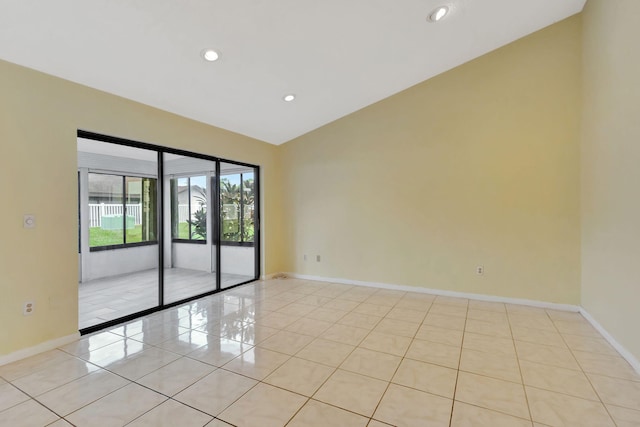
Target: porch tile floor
pixel 114 297
pixel 300 353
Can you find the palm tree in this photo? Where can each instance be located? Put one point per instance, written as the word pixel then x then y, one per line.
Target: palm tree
pixel 249 197
pixel 199 223
pixel 230 195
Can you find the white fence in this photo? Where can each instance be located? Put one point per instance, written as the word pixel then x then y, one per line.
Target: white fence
pixel 183 213
pixel 97 211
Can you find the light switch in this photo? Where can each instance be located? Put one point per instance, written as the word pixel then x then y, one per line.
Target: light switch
pixel 29 221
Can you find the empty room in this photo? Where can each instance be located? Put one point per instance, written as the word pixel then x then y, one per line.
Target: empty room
pixel 295 213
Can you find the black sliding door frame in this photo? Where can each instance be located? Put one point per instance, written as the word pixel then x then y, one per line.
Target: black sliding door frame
pixel 217 232
pixel 160 232
pixel 160 225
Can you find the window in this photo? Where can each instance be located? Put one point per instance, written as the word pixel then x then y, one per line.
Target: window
pixel 122 211
pixel 237 194
pixel 189 209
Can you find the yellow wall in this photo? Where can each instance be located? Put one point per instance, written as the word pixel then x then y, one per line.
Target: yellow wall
pixel 478 166
pixel 487 164
pixel 39 116
pixel 611 168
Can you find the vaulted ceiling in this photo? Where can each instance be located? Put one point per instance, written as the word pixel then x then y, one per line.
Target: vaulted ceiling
pixel 336 56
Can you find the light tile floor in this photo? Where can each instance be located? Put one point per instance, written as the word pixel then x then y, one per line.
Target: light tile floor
pixel 110 298
pixel 298 353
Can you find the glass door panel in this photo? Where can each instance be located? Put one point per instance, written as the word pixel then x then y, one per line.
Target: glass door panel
pixel 189 254
pixel 118 274
pixel 238 223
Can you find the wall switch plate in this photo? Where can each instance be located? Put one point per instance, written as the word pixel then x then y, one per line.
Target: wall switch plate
pixel 29 221
pixel 318 258
pixel 305 257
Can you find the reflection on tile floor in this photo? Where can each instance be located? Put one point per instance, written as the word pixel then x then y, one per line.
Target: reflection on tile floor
pixel 300 353
pixel 111 298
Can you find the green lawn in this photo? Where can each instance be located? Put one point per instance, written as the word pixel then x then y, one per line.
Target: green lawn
pixel 183 230
pixel 100 237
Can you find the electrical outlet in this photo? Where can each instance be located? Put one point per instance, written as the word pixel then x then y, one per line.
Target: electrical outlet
pixel 318 258
pixel 28 308
pixel 480 270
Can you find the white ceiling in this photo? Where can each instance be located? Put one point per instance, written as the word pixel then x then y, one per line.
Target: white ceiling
pixel 337 56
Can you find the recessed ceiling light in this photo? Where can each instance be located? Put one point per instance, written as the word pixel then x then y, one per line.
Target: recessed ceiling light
pixel 438 14
pixel 288 98
pixel 210 55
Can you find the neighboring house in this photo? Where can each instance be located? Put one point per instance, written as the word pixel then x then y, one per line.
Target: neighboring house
pixel 104 189
pixel 198 194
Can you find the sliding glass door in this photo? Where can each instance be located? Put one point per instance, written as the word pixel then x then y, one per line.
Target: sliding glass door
pixel 118 195
pixel 189 227
pixel 239 223
pixel 159 226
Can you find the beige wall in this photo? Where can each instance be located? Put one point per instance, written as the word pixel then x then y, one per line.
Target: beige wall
pixel 484 165
pixel 478 166
pixel 39 116
pixel 611 168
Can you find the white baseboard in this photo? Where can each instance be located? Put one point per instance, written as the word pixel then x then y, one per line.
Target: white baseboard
pixel 37 349
pixel 635 363
pixel 440 292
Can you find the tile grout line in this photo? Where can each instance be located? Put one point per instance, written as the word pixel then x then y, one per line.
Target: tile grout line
pixel 358 346
pixel 583 371
pixel 280 365
pixel 36 398
pixel 309 398
pixel 130 381
pixel 455 387
pixel 396 370
pixel 515 349
pixel 350 353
